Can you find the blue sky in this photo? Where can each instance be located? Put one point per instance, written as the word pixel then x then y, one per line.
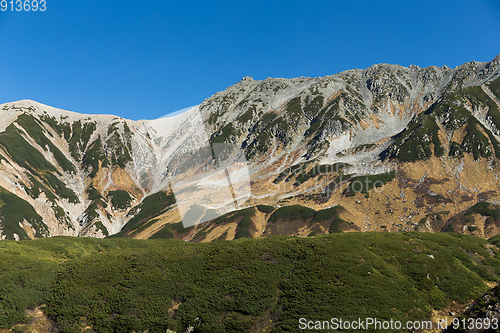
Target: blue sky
pixel 144 59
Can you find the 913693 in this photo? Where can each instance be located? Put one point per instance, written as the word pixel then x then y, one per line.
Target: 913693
pixel 23 5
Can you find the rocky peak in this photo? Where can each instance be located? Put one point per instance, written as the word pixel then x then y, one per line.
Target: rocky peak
pixel 247 78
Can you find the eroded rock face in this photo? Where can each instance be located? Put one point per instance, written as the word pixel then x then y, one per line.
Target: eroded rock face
pixel 64 173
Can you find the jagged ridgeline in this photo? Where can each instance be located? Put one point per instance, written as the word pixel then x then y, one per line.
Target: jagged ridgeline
pixel 392 145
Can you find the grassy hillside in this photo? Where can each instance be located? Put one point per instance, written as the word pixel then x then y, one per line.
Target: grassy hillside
pixel 246 285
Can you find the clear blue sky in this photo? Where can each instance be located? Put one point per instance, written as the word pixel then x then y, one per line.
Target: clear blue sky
pixel 144 59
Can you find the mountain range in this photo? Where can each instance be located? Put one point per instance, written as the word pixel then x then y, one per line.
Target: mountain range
pixel 388 148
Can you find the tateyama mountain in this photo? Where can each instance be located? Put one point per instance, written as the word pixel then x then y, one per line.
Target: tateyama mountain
pixel 388 148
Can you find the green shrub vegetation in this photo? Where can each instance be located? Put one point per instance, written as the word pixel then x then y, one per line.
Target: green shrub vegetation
pixel 311 109
pixel 33 129
pixel 354 105
pixel 332 214
pixel 327 214
pixel 294 212
pixel 21 151
pixel 37 188
pixel 265 208
pixel 92 158
pixel 14 211
pixel 452 108
pixel 364 184
pixel 335 226
pixel 324 117
pixel 151 207
pixel 120 199
pixel 437 216
pixel 268 127
pixel 212 119
pixel 258 146
pixel 243 229
pixel 52 122
pixel 248 115
pixel 125 285
pixel 478 98
pixel 313 127
pixel 92 216
pixel 92 193
pixel 166 231
pixel 483 208
pixel 337 181
pixel 474 141
pixel 294 108
pixel 80 137
pixel 59 188
pixel 455 150
pixel 494 142
pixel 495 87
pixel 118 149
pixel 224 135
pixel 245 221
pixel 414 143
pixel 74 140
pixel 61 216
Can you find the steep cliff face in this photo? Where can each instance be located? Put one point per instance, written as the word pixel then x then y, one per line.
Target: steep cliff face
pixel 305 141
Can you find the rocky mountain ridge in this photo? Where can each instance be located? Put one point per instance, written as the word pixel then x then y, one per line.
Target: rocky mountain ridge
pixel 71 174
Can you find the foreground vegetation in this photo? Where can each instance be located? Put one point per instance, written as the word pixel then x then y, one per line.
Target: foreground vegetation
pixel 246 285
